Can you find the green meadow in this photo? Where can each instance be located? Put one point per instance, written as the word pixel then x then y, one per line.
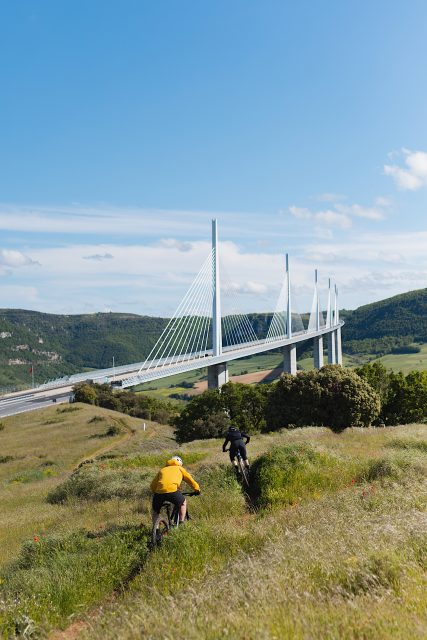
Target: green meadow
pixel 331 542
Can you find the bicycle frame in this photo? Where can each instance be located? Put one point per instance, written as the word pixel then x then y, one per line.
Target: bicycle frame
pixel 167 519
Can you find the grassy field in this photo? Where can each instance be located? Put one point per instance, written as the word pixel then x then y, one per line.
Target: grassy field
pixel 332 542
pixel 406 362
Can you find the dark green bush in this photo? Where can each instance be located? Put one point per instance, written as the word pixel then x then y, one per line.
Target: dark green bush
pixel 332 397
pixel 210 414
pixel 133 404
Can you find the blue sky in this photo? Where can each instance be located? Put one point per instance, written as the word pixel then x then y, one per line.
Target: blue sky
pixel 126 126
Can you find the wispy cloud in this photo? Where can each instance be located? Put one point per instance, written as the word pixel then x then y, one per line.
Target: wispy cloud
pixel 413 175
pixel 341 215
pixel 11 258
pixel 99 257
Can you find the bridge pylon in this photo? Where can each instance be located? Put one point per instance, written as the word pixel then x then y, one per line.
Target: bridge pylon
pixel 289 350
pixel 318 341
pixel 217 373
pixel 337 332
pixel 331 336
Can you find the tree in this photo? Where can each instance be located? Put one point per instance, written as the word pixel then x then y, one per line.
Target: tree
pixel 84 392
pixel 332 397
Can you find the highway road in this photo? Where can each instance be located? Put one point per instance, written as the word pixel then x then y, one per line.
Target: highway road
pixel 30 401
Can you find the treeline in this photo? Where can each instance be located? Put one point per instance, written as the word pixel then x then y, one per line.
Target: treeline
pixel 133 404
pixel 403 398
pixel 382 346
pixel 333 397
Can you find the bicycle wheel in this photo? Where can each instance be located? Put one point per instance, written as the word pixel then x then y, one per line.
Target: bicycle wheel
pixel 244 473
pixel 160 530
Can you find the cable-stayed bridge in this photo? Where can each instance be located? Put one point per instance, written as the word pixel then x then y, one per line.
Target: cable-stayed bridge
pixel 207 330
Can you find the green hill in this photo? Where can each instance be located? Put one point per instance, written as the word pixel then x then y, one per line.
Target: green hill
pixel 387 325
pixel 56 345
pixel 61 344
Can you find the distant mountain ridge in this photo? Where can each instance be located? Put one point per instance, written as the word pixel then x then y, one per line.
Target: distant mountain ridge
pixel 56 345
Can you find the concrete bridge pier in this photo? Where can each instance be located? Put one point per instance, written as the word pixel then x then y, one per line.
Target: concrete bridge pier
pixel 217 375
pixel 331 348
pixel 338 349
pixel 318 352
pixel 290 359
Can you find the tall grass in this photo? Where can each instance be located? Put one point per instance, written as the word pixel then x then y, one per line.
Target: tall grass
pixel 96 482
pixel 289 474
pixel 54 578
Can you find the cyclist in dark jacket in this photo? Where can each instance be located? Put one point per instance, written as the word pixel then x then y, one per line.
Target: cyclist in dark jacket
pixel 235 438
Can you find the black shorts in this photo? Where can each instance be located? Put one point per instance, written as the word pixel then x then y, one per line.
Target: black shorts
pixel 175 497
pixel 239 447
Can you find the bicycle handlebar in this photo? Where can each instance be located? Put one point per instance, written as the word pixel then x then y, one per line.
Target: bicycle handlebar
pixel 190 493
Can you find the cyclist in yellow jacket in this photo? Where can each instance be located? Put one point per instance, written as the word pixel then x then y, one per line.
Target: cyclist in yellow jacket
pixel 166 487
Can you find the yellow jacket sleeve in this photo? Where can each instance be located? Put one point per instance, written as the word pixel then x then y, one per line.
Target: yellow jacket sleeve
pixel 189 479
pixel 153 484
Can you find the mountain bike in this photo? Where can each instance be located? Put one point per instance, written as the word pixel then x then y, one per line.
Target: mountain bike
pixel 167 519
pixel 243 471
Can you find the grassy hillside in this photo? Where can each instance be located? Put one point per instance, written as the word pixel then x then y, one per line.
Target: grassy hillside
pixel 333 547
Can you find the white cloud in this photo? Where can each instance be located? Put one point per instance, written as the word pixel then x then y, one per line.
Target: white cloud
pixel 381 201
pixel 300 213
pixel 11 258
pixel 248 287
pixel 413 175
pixel 172 243
pixel 99 257
pixel 371 213
pixel 340 215
pixel 333 218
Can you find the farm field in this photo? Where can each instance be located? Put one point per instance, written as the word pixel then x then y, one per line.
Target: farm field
pixel 74 552
pixel 406 362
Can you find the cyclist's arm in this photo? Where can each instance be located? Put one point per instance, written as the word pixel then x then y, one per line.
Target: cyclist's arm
pixel 248 438
pixel 189 480
pixel 224 446
pixel 153 484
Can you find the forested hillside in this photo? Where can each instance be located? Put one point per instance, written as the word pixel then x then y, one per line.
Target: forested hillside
pixel 383 326
pixel 55 345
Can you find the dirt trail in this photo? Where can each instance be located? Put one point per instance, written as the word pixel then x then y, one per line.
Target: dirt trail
pixel 127 436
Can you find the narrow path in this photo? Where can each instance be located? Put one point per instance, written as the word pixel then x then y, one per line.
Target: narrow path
pixel 113 445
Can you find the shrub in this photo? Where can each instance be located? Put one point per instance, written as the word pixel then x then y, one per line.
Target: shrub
pixel 333 397
pixel 379 470
pixel 84 392
pixel 128 402
pixel 210 414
